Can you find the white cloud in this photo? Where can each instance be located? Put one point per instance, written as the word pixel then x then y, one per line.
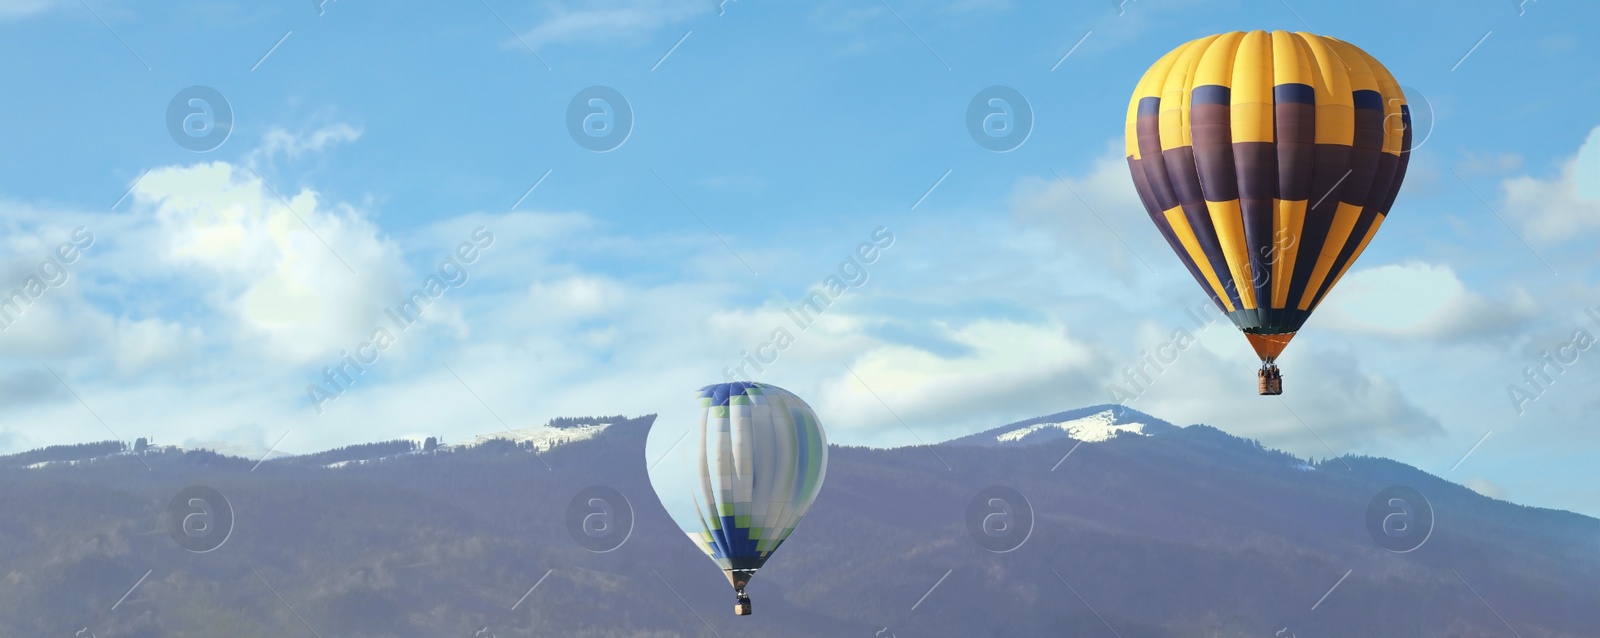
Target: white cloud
pixel 610 21
pixel 235 306
pixel 1419 300
pixel 1010 369
pixel 1586 167
pixel 578 296
pixel 1330 405
pixel 1563 207
pixel 274 302
pixel 139 345
pixel 293 145
pixel 282 272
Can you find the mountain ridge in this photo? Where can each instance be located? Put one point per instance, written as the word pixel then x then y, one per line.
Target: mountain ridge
pixel 67 455
pixel 1190 533
pixel 1120 414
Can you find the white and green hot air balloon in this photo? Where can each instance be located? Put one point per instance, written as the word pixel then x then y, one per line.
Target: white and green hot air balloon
pixel 739 482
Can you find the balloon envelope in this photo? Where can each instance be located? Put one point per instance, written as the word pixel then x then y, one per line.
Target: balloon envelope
pixel 1268 161
pixel 739 481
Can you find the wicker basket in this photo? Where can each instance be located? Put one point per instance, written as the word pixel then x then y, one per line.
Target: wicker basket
pixel 1269 381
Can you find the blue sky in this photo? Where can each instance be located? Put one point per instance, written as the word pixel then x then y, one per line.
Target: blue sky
pixel 770 142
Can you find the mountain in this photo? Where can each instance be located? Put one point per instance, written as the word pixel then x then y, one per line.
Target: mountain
pixel 1091 424
pixel 1154 531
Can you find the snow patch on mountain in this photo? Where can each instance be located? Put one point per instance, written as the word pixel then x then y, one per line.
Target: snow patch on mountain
pixel 153 449
pixel 542 437
pixel 1093 429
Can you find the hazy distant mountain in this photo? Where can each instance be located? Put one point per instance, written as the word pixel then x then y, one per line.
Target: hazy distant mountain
pixel 1140 529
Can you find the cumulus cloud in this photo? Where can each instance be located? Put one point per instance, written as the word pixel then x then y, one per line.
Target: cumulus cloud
pixel 39 290
pixel 143 344
pixel 1586 167
pixel 1330 406
pixel 299 278
pixel 1420 300
pixel 1563 207
pixel 1010 369
pixel 235 305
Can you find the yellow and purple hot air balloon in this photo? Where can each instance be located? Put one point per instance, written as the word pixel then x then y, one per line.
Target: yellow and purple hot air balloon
pixel 1268 161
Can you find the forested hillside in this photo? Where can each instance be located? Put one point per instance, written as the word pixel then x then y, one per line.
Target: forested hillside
pixel 1179 533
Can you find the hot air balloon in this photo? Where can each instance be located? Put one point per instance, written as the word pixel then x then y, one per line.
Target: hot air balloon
pixel 1268 161
pixel 754 466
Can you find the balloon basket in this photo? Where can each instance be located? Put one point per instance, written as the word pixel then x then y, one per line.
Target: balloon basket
pixel 742 608
pixel 1269 380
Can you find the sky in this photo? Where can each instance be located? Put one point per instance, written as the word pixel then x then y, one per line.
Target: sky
pixel 616 200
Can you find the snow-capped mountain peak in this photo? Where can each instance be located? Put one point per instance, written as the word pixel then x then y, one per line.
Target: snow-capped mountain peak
pixel 1094 428
pixel 1093 424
